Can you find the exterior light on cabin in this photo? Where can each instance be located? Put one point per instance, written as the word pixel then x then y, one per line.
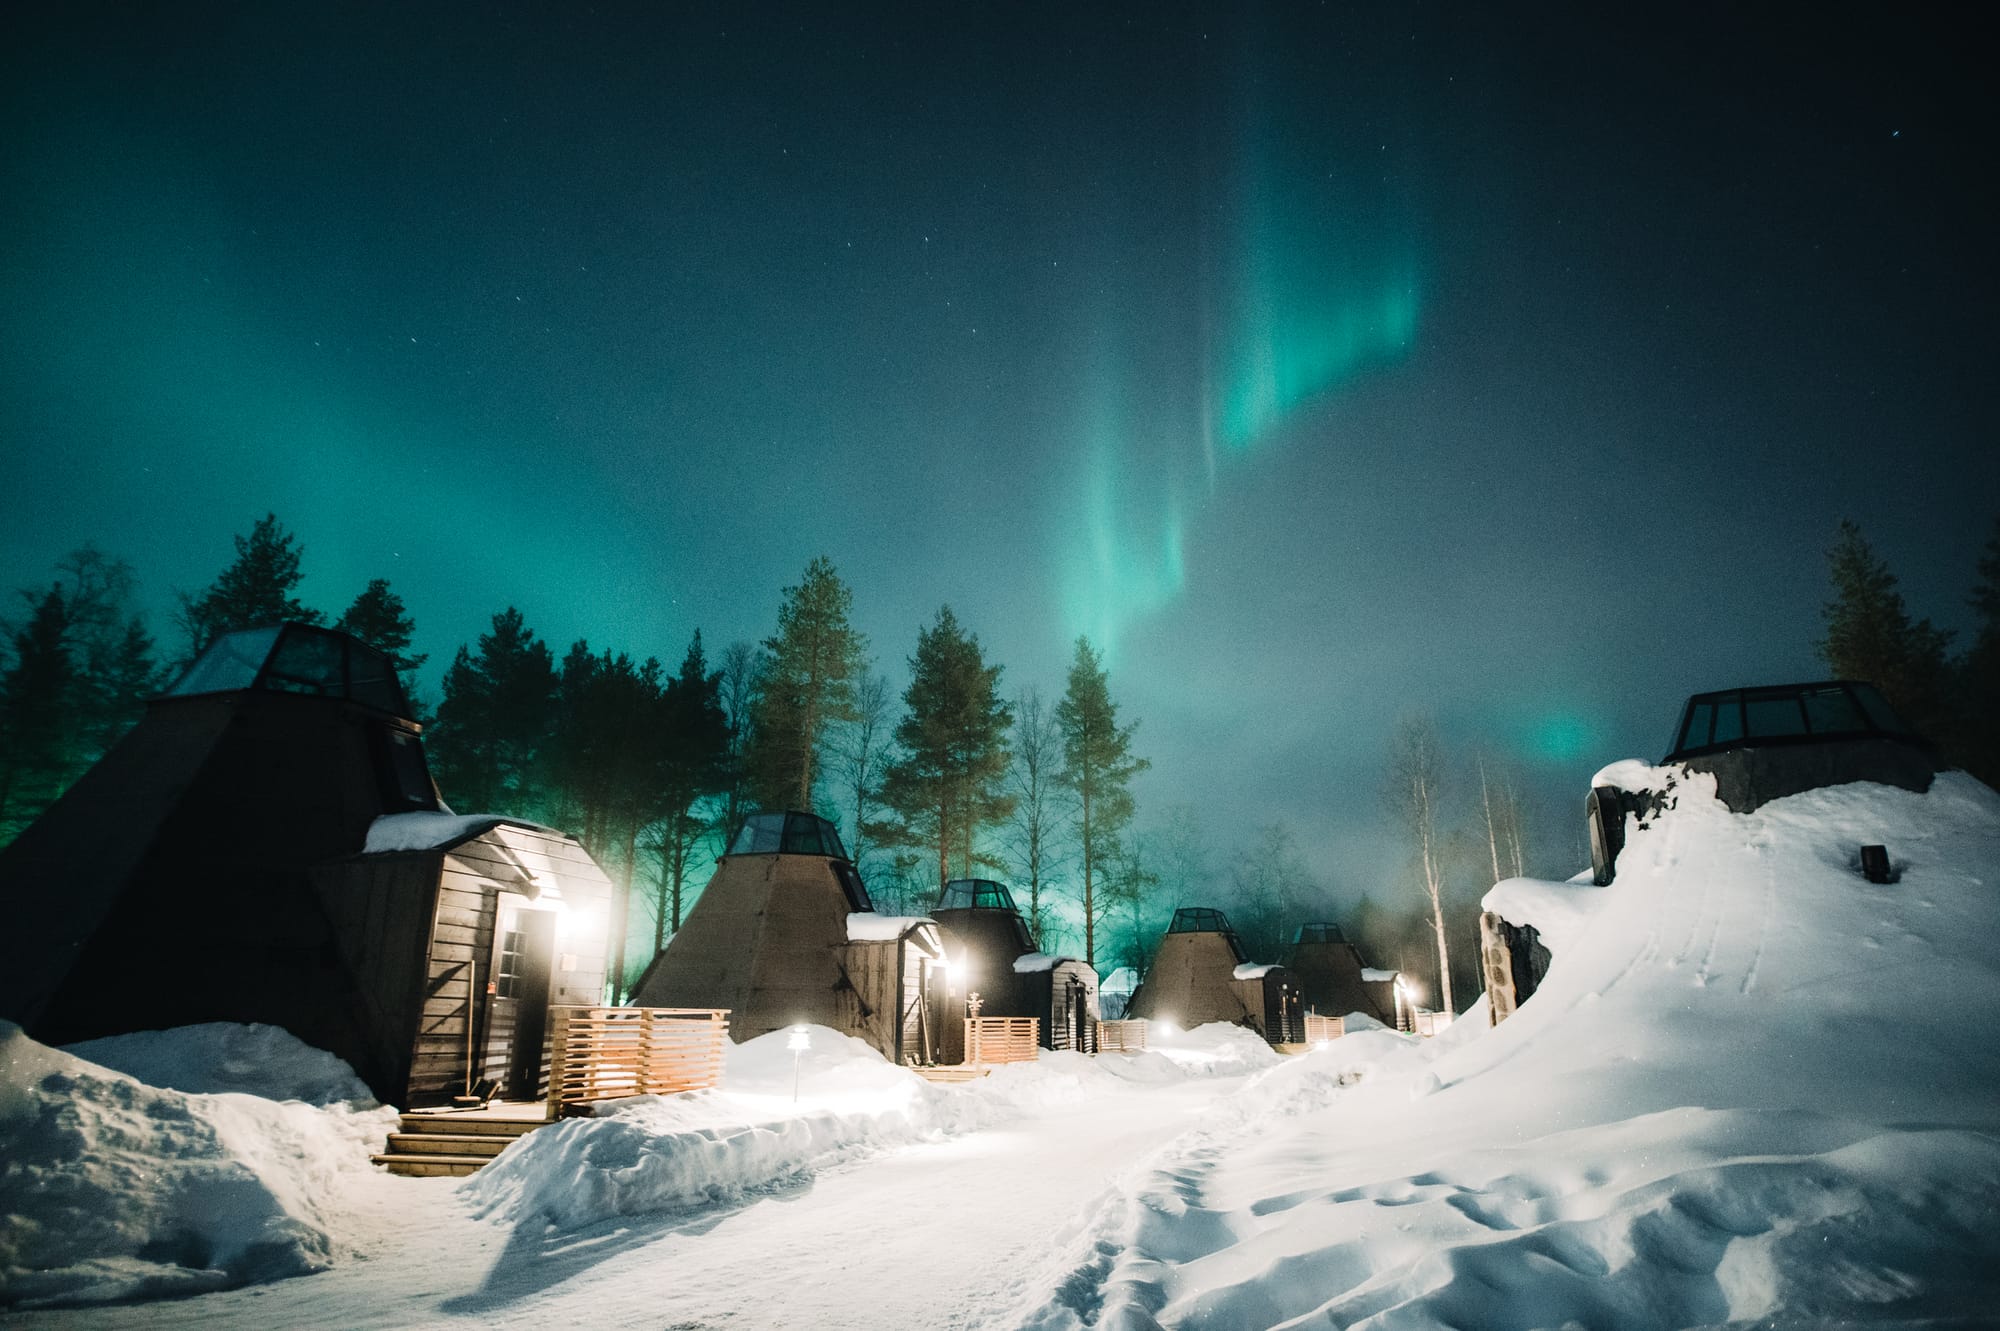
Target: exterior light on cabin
pixel 798 1042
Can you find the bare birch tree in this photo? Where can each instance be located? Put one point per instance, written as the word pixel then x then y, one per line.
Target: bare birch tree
pixel 862 752
pixel 1038 812
pixel 1416 778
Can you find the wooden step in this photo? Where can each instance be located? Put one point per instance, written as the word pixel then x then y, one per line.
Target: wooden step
pixel 429 1166
pixel 468 1125
pixel 485 1144
pixel 446 1144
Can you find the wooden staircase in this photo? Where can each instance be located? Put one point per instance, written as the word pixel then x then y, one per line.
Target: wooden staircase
pixel 430 1145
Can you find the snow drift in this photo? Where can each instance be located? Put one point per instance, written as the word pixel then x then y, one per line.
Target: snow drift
pixel 113 1189
pixel 667 1153
pixel 1753 1086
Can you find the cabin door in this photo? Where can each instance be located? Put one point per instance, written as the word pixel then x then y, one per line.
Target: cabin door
pixel 518 1001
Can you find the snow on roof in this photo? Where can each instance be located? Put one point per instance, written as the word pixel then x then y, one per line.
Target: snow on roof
pixel 1632 774
pixel 1123 980
pixel 1251 970
pixel 427 831
pixel 1373 975
pixel 865 926
pixel 1558 911
pixel 1029 962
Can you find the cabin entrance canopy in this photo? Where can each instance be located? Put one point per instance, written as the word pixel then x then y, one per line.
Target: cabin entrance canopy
pixel 296 658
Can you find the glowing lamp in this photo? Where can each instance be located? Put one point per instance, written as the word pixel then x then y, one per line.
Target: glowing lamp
pixel 798 1042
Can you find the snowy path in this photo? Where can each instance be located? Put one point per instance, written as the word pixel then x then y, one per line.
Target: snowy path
pixel 965 1232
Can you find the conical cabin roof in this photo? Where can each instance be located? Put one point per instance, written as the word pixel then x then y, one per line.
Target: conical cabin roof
pixel 768 936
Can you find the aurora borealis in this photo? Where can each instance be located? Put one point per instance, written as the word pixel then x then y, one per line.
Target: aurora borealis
pixel 1320 363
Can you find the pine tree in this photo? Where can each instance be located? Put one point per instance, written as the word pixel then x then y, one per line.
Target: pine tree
pixel 40 751
pixel 495 723
pixel 379 618
pixel 253 592
pixel 1869 636
pixel 805 688
pixel 1098 768
pixel 947 782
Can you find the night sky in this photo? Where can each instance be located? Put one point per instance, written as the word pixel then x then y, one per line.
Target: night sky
pixel 1321 364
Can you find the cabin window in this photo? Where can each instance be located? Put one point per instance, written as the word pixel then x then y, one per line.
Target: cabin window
pixel 400 766
pixel 850 882
pixel 308 663
pixel 513 962
pixel 1832 712
pixel 1771 717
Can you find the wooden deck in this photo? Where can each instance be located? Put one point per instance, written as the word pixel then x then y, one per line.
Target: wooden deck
pixel 951 1075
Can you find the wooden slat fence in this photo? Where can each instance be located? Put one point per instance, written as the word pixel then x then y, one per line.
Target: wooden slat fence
pixel 1122 1037
pixel 1320 1028
pixel 1002 1039
pixel 1432 1023
pixel 603 1053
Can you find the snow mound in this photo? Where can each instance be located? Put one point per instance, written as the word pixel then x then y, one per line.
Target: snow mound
pixel 1753 1087
pixel 118 1190
pixel 670 1153
pixel 219 1056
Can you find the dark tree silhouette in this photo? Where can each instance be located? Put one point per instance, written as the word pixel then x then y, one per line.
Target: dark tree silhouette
pixel 253 591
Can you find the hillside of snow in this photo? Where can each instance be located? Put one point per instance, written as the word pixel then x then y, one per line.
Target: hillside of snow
pixel 1754 1088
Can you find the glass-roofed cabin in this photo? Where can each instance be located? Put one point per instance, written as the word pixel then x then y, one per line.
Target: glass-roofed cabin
pixel 266 845
pixel 1769 741
pixel 1012 977
pixel 1334 980
pixel 1199 974
pixel 785 934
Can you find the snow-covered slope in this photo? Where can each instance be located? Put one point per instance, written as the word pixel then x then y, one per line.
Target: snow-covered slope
pixel 1753 1086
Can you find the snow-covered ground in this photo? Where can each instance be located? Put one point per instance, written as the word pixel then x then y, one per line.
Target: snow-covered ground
pixel 1754 1089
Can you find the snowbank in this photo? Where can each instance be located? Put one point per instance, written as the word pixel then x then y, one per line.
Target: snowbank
pixel 114 1189
pixel 1753 1086
pixel 653 1153
pixel 220 1056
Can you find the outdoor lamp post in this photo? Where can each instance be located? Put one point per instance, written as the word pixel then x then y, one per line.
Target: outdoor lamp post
pixel 800 1041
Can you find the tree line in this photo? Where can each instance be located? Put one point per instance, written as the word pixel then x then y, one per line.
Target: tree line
pixel 652 769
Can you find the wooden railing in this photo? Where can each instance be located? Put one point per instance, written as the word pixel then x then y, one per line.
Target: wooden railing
pixel 1432 1023
pixel 1002 1039
pixel 1320 1029
pixel 604 1053
pixel 1122 1037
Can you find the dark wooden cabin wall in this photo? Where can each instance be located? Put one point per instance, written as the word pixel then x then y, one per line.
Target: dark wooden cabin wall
pixel 379 910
